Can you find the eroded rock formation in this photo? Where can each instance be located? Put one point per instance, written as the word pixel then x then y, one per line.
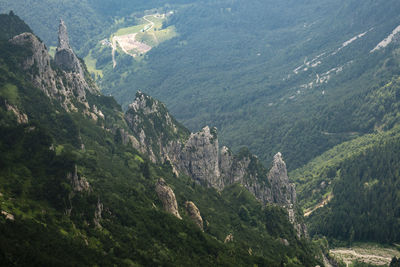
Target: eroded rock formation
pixel 198 155
pixel 65 57
pixel 167 197
pixel 78 182
pixel 194 214
pixel 67 85
pixel 284 192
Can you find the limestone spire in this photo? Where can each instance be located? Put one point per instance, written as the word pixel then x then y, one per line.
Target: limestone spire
pixel 65 57
pixel 283 191
pixel 63 40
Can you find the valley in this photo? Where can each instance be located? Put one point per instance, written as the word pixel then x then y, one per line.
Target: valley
pixel 279 123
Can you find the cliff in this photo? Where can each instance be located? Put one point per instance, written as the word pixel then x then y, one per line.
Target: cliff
pixel 199 156
pixel 65 83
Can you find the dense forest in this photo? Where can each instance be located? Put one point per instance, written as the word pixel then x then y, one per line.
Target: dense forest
pixel 366 191
pixel 241 77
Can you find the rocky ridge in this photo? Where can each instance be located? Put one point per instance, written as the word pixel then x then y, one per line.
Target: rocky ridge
pixel 154 132
pixel 199 156
pixel 64 83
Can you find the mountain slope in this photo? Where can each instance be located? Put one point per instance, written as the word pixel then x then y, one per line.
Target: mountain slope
pixel 351 191
pixel 281 71
pixel 74 193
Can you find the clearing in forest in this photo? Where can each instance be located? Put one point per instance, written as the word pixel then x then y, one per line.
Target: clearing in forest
pixel 139 39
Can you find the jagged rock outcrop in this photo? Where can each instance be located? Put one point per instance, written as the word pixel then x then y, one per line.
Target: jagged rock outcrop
pixel 167 197
pixel 97 214
pixel 199 156
pixel 79 183
pixel 66 85
pixel 65 57
pixel 156 133
pixel 245 169
pixel 194 214
pixel 37 64
pixel 228 238
pixel 8 215
pixel 283 192
pixel 22 118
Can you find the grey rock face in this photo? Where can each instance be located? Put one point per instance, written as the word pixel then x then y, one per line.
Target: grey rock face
pixel 65 57
pixel 66 86
pixel 198 155
pixel 199 158
pixel 167 197
pixel 37 65
pixel 284 193
pixel 194 214
pixel 79 183
pixel 156 132
pixel 240 169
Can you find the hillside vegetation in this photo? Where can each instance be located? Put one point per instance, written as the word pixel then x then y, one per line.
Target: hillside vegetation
pixel 267 80
pixel 114 216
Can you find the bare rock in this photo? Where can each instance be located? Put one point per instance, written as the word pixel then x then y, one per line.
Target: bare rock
pixel 200 158
pixel 284 242
pixel 65 86
pixel 65 57
pixel 37 65
pixel 79 183
pixel 228 238
pixel 198 155
pixel 167 197
pixel 155 130
pixel 8 216
pixel 283 192
pixel 194 214
pixel 22 118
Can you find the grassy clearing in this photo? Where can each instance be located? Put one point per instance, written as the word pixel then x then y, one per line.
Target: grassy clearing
pixel 155 37
pixel 129 30
pixel 152 37
pixel 91 65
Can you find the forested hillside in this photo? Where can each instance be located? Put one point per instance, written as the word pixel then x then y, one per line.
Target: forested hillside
pixel 72 193
pixel 244 66
pixel 318 81
pixel 290 72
